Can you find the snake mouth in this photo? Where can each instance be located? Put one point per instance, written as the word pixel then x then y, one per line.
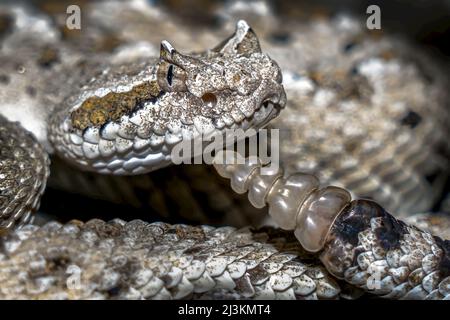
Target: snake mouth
pixel 268 111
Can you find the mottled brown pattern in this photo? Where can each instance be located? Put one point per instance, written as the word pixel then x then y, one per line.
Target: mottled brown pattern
pixel 96 111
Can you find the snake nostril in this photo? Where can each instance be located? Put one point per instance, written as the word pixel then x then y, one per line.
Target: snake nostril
pixel 209 99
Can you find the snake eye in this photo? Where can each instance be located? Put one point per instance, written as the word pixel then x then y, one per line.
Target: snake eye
pixel 171 77
pixel 209 99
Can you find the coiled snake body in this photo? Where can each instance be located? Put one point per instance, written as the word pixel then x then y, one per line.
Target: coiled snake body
pixel 124 118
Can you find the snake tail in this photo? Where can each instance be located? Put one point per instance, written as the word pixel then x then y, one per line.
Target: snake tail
pixel 140 260
pixel 371 249
pixel 358 240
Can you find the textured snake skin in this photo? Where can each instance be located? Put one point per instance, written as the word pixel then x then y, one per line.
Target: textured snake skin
pixel 201 196
pixel 139 260
pixel 367 244
pixel 365 112
pixel 20 154
pixel 436 223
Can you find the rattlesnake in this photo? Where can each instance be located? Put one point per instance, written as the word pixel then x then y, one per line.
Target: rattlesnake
pixel 141 109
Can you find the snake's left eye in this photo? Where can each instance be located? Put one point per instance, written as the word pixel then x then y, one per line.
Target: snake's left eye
pixel 171 77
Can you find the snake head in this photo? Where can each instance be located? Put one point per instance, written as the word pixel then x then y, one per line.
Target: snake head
pixel 233 85
pixel 128 118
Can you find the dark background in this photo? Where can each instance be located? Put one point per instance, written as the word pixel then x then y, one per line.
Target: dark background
pixel 424 21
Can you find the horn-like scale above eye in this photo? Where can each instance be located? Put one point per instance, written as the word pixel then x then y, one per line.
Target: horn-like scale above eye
pixel 243 41
pixel 171 77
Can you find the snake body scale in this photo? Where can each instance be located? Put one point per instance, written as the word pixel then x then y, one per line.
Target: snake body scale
pixel 123 118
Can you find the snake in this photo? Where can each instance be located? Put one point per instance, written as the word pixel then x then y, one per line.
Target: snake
pixel 124 118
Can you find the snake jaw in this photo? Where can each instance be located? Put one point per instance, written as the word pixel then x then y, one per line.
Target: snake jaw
pixel 127 121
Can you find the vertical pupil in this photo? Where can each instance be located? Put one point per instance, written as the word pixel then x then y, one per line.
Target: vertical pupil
pixel 170 75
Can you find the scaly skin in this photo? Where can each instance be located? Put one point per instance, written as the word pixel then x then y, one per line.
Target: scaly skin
pixel 250 95
pixel 24 168
pixel 359 241
pixel 84 126
pixel 127 120
pixel 367 244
